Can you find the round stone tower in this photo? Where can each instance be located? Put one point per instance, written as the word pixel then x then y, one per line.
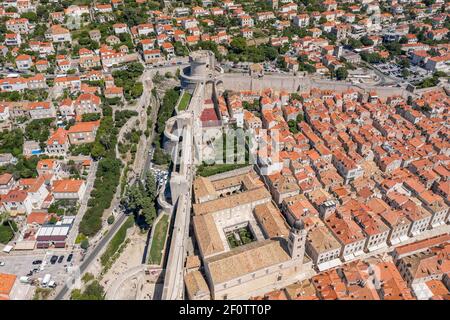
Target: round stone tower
pixel 202 69
pixel 202 63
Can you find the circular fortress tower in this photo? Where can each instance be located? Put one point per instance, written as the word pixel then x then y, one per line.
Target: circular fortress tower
pixel 202 69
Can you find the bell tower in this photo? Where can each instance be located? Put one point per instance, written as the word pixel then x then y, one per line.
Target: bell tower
pixel 297 240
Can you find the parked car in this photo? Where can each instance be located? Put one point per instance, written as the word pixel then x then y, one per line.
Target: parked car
pixel 25 279
pixel 2 263
pixel 46 279
pixel 37 262
pixel 53 259
pixel 61 258
pixel 69 258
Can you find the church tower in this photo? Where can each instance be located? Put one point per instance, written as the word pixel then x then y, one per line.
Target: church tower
pixel 297 240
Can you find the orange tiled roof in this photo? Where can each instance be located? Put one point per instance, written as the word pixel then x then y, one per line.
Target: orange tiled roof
pixel 67 185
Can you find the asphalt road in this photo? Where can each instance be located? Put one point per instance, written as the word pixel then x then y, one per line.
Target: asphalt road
pixel 94 253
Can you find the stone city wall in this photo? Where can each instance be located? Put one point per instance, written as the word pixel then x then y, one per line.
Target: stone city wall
pixel 292 83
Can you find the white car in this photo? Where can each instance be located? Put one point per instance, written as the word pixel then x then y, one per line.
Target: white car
pixel 2 263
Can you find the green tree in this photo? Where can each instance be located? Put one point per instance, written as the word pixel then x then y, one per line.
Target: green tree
pixel 366 41
pixel 31 16
pixel 98 150
pixel 238 44
pixel 341 73
pixel 148 211
pixel 93 291
pixel 38 129
pixel 180 49
pixel 110 219
pixel 355 43
pixel 6 230
pixel 150 185
pixel 84 244
pixel 293 126
pixel 11 142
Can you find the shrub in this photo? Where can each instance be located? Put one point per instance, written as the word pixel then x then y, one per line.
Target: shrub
pixel 80 237
pixel 6 234
pixel 110 219
pixel 84 244
pixel 87 277
pixel 94 291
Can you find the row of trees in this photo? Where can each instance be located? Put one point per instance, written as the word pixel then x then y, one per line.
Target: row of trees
pixel 358 43
pixel 26 95
pixel 105 185
pixel 107 177
pixel 164 113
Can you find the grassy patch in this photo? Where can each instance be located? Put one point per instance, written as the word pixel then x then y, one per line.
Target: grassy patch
pixel 210 170
pixel 80 237
pixel 123 183
pixel 184 102
pixel 113 259
pixel 240 237
pixel 116 241
pixel 87 277
pixel 158 241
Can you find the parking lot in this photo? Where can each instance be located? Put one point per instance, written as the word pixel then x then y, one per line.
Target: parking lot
pixel 389 69
pixel 160 176
pixel 22 265
pixel 415 73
